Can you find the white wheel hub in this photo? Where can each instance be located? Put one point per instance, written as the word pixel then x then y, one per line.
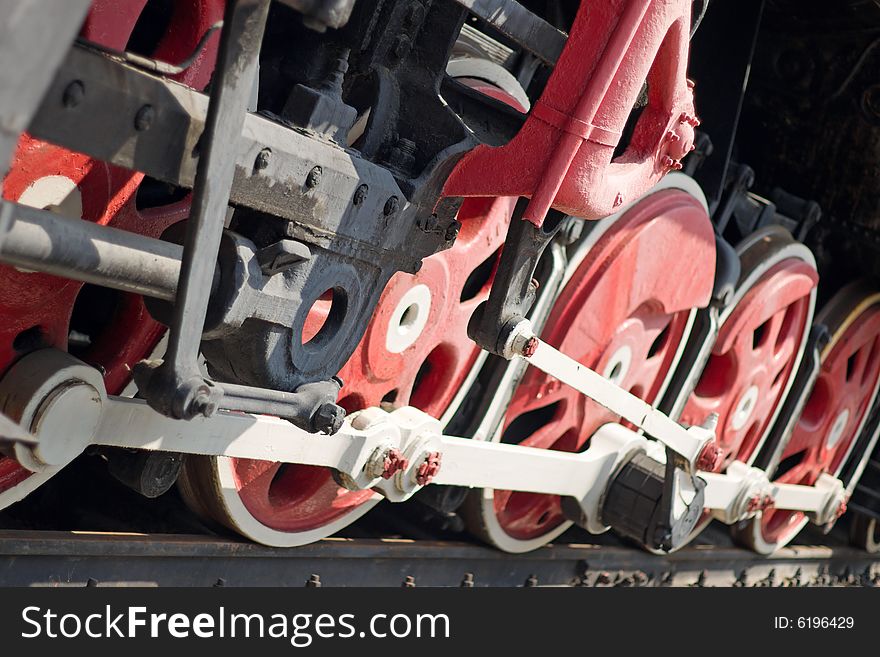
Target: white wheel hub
pixel 409 319
pixel 744 408
pixel 618 365
pixel 836 431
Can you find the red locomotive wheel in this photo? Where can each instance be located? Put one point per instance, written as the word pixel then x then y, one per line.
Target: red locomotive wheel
pixel 626 312
pixel 415 352
pixel 44 311
pixel 761 340
pixel 834 414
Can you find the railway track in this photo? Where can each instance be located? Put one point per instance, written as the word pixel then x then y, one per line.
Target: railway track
pixel 53 558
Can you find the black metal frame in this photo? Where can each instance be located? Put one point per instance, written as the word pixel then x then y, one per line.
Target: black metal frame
pixel 311 215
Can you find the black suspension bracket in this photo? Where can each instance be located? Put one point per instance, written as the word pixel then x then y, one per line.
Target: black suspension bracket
pixel 175 386
pixel 514 287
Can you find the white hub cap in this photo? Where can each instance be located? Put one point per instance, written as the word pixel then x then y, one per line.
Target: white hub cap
pixel 58 194
pixel 59 399
pixel 836 431
pixel 618 365
pixel 408 319
pixel 744 408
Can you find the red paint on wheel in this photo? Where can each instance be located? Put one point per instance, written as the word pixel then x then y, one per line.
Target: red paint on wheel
pixel 426 374
pixel 627 306
pixel 831 419
pixel 753 360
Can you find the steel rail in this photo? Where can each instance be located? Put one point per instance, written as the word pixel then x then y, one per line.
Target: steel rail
pixel 54 558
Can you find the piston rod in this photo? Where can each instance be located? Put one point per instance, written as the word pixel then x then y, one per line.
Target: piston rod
pixel 38 240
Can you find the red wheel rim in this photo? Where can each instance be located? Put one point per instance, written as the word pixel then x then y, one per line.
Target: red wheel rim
pixel 754 359
pixel 37 308
pixel 415 352
pixel 625 314
pixel 834 413
pixel 427 373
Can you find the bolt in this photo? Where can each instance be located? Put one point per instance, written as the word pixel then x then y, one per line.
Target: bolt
pixel 530 347
pixel 618 200
pixel 672 137
pixel 392 205
pixel 144 118
pixel 428 468
pixel 393 462
pixel 314 177
pixel 360 194
pixel 314 581
pixel 710 458
pixel 468 581
pixel 262 159
pixel 409 582
pixel 203 404
pixel 531 581
pixel 429 224
pixel 754 503
pixel 668 162
pixel 603 579
pixel 91 582
pixel 452 231
pixel 73 94
pixel 328 418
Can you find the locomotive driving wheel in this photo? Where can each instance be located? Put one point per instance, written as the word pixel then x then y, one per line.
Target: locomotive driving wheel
pixel 762 336
pixel 415 352
pixel 626 312
pixel 834 415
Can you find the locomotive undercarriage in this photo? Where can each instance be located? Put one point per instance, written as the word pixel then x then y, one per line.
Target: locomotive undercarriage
pixel 328 178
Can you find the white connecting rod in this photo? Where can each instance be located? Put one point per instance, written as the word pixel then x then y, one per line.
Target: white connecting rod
pixel 690 443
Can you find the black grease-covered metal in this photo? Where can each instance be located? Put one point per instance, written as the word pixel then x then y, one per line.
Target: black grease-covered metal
pixel 149 473
pixel 638 504
pixel 513 289
pixel 722 51
pixel 321 14
pixel 175 386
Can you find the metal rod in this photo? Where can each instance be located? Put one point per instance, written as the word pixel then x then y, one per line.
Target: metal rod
pixel 38 240
pixel 242 35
